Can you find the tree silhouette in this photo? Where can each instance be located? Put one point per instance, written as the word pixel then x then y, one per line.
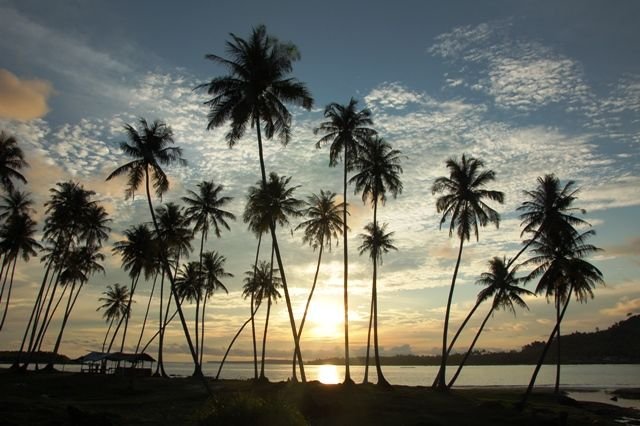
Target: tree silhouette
pixel 11 162
pixel 115 305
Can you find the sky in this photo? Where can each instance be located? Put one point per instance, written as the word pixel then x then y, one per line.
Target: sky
pixel 529 87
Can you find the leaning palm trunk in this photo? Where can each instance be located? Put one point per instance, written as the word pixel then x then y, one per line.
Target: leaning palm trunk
pixel 473 343
pixel 224 358
pixel 47 321
pixel 274 239
pixel 251 311
pixel 104 342
pixel 442 384
pixel 167 268
pixel 146 313
pixel 204 307
pixel 306 308
pixel 162 324
pixel 557 387
pixel 6 309
pixel 266 322
pixel 455 338
pixel 134 284
pixel 70 304
pixel 532 382
pixel 35 342
pixel 367 358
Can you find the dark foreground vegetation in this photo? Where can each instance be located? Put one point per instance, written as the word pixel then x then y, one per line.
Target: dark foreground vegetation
pixel 81 399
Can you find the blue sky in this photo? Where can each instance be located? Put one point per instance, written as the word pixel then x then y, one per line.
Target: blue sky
pixel 529 87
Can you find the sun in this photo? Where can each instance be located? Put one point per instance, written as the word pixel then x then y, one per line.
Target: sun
pixel 325 319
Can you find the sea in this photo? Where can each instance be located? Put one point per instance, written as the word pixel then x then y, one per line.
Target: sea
pixel 586 382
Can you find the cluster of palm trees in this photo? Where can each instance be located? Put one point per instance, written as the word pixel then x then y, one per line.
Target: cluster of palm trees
pixel 255 94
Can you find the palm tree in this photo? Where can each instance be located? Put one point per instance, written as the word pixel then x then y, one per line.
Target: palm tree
pixel 463 204
pixel 559 262
pixel 323 224
pixel 345 128
pixel 255 93
pixel 190 287
pixel 501 284
pixel 379 170
pixel 205 209
pixel 115 305
pixel 174 231
pixel 376 242
pixel 11 162
pixel 214 273
pixel 16 240
pixel 149 148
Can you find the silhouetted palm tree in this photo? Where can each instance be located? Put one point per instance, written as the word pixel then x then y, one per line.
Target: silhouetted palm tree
pixel 378 171
pixel 214 273
pixel 205 210
pixel 323 224
pixel 190 287
pixel 376 242
pixel 11 162
pixel 255 93
pixel 267 284
pixel 149 148
pixel 16 240
pixel 501 284
pixel 137 251
pixel 463 204
pixel 559 262
pixel 115 305
pixel 345 128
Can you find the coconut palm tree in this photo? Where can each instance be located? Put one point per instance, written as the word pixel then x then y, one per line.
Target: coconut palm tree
pixel 137 251
pixel 214 273
pixel 115 305
pixel 11 162
pixel 560 265
pixel 205 210
pixel 463 204
pixel 16 240
pixel 378 172
pixel 149 147
pixel 173 229
pixel 345 128
pixel 323 225
pixel 255 93
pixel 376 242
pixel 501 284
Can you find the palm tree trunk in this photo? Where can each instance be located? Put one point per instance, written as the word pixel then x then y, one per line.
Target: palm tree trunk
pixel 197 370
pixel 167 268
pixel 266 322
pixel 442 384
pixel 473 343
pixel 557 387
pixel 234 340
pixel 46 322
pixel 251 310
pixel 6 309
pixel 35 343
pixel 532 382
pixel 366 359
pixel 4 275
pixel 347 372
pixel 296 340
pixel 455 338
pixel 204 307
pixel 67 313
pixel 159 364
pixel 306 308
pixel 134 284
pixel 146 313
pixel 104 342
pixel 376 347
pixel 198 345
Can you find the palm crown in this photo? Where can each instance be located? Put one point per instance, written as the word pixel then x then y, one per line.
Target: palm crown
pixel 379 170
pixel 114 302
pixel 501 284
pixel 324 220
pixel 205 208
pixel 376 242
pixel 273 202
pixel 11 161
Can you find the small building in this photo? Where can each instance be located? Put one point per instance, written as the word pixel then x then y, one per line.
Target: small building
pixel 121 363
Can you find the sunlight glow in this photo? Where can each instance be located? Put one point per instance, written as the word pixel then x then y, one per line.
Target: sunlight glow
pixel 325 319
pixel 328 374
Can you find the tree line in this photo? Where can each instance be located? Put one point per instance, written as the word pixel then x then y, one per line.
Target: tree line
pixel 254 94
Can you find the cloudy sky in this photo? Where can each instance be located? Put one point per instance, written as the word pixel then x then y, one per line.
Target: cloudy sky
pixel 528 87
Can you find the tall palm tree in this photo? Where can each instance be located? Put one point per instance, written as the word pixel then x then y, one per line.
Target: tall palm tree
pixel 205 210
pixel 378 171
pixel 376 241
pixel 323 225
pixel 190 287
pixel 214 273
pixel 173 229
pixel 255 93
pixel 345 128
pixel 137 253
pixel 149 148
pixel 463 204
pixel 16 240
pixel 501 284
pixel 11 162
pixel 559 263
pixel 115 305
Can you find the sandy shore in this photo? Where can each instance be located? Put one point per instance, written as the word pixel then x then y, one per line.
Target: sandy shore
pixel 72 398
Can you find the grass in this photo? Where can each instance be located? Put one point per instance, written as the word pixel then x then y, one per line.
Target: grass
pixel 78 399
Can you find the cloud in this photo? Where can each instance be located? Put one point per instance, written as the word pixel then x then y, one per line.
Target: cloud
pixel 23 99
pixel 630 248
pixel 623 307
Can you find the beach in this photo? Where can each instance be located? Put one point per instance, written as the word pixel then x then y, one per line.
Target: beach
pixel 72 398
